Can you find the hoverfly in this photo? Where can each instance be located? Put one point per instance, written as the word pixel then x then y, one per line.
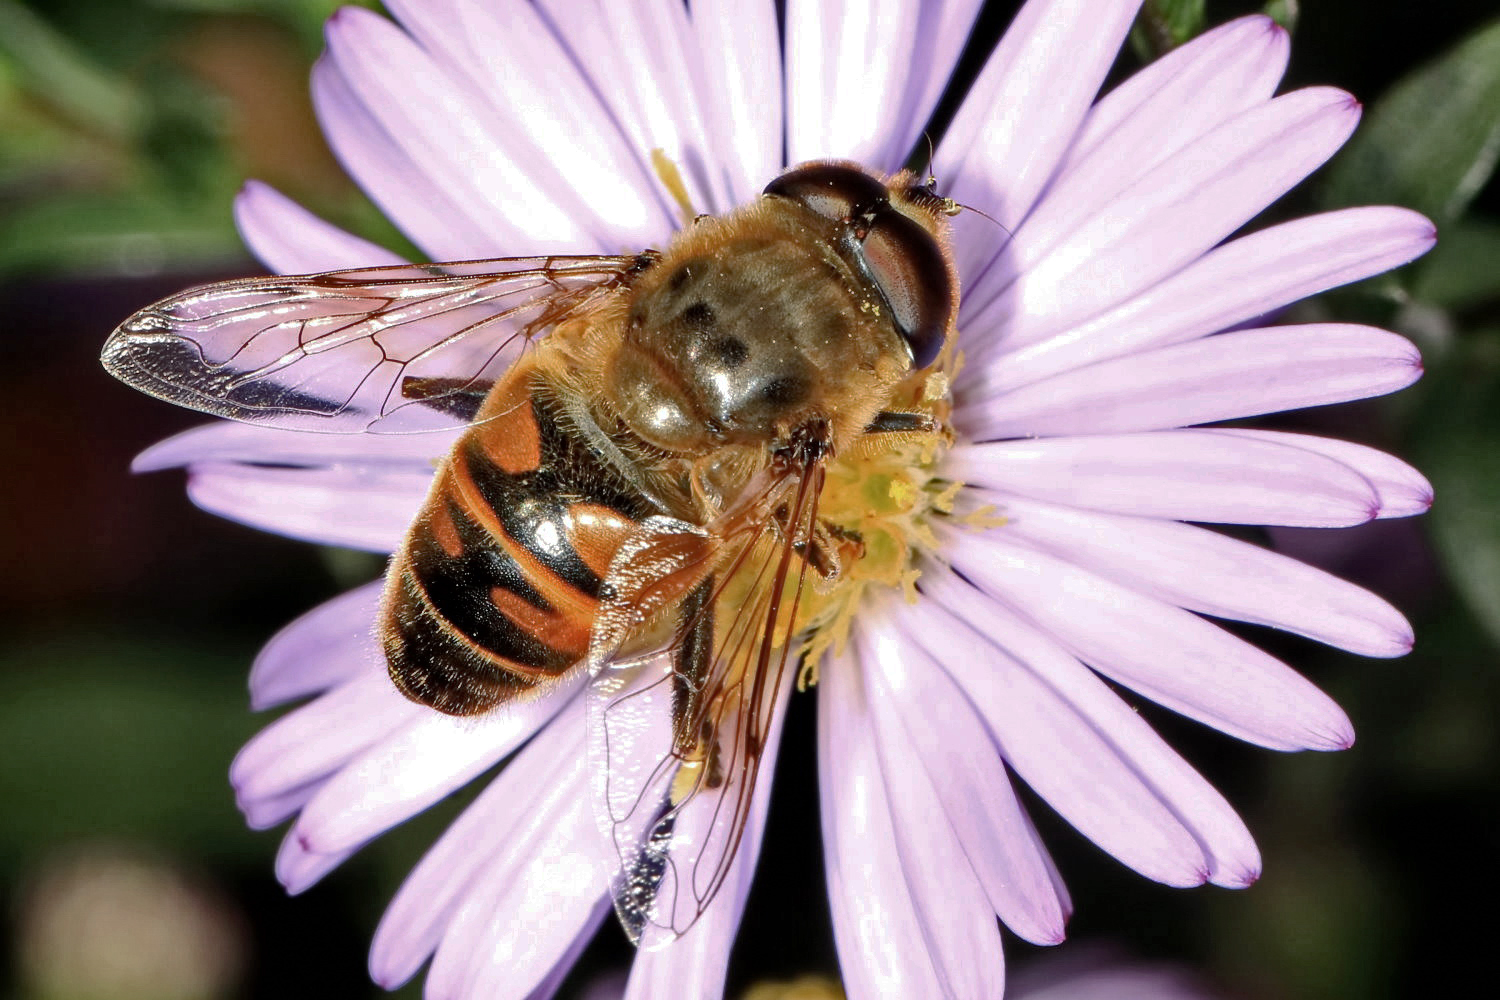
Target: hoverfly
pixel 645 448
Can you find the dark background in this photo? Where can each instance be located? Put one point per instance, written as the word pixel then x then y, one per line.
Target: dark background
pixel 128 618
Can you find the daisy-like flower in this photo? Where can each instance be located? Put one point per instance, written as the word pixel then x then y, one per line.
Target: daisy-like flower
pixel 1105 338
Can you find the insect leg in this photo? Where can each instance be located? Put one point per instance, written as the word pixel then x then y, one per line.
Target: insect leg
pixel 893 422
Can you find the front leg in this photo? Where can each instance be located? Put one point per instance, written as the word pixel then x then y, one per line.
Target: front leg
pixel 898 422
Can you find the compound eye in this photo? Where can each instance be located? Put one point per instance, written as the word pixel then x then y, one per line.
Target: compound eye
pixel 833 191
pixel 907 267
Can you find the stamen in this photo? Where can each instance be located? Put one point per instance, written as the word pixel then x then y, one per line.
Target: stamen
pixel 671 179
pixel 886 495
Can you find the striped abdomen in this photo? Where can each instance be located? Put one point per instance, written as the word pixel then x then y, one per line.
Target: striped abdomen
pixel 496 587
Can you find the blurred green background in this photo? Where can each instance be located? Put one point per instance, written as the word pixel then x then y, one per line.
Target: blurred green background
pixel 130 618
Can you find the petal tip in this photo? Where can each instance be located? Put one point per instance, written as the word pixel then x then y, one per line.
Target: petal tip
pixel 1336 739
pixel 345 22
pixel 1267 26
pixel 291 886
pixel 148 461
pixel 238 779
pixel 385 979
pixel 251 188
pixel 1238 878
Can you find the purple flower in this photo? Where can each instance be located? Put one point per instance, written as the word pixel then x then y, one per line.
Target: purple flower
pixel 1093 356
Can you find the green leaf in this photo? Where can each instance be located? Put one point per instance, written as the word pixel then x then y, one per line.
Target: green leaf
pixel 1283 12
pixel 1432 140
pixel 1463 270
pixel 1162 25
pixel 119 738
pixel 131 233
pixel 48 64
pixel 1456 430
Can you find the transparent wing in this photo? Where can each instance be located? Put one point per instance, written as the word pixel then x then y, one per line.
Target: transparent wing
pixel 678 739
pixel 386 349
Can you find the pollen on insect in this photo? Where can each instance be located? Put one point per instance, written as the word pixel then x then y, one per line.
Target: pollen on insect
pixel 885 495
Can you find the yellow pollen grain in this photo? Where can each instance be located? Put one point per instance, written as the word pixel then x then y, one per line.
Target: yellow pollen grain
pixel 982 518
pixel 807 674
pixel 936 387
pixel 883 495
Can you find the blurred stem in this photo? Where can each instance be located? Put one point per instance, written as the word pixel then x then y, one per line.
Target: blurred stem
pixel 50 67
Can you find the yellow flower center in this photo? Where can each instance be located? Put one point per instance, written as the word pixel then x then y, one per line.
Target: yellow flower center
pixel 878 501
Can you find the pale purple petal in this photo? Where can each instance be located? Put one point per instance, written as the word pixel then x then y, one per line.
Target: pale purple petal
pixel 539 103
pixel 835 90
pixel 359 491
pixel 1087 753
pixel 1059 886
pixel 475 852
pixel 1231 284
pixel 659 103
pixel 942 30
pixel 318 738
pixel 1182 95
pixel 1402 490
pixel 1169 655
pixel 1164 220
pixel 563 967
pixel 430 757
pixel 741 53
pixel 1213 574
pixel 958 923
pixel 968 777
pixel 1007 138
pixel 1232 375
pixel 456 143
pixel 418 203
pixel 298 868
pixel 439 27
pixel 289 239
pixel 863 78
pixel 875 925
pixel 252 444
pixel 526 908
pixel 273 810
pixel 1151 117
pixel 357 508
pixel 326 646
pixel 1190 475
